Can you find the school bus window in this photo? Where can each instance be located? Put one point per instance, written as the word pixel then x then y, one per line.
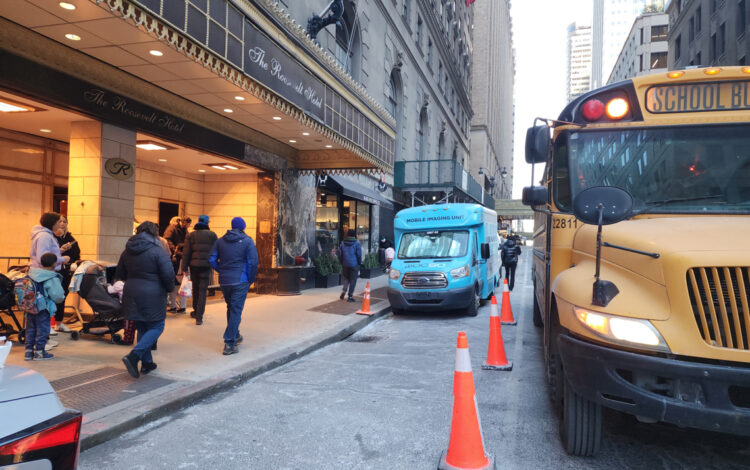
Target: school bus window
pixel 679 169
pixel 561 182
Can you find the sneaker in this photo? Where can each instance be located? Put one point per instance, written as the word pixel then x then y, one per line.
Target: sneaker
pixel 131 363
pixel 192 314
pixel 350 299
pixel 48 346
pixel 238 339
pixel 63 328
pixel 172 309
pixel 29 356
pixel 228 350
pixel 180 310
pixel 52 343
pixel 41 356
pixel 341 296
pixel 147 367
pixel 52 332
pixel 198 321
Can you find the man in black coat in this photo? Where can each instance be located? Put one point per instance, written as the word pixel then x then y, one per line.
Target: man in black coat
pixel 197 249
pixel 509 255
pixel 148 274
pixel 175 235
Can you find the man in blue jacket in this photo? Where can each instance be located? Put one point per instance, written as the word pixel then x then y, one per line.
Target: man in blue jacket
pixel 235 258
pixel 350 254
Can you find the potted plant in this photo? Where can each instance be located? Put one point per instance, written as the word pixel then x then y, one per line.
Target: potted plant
pixel 327 271
pixel 370 266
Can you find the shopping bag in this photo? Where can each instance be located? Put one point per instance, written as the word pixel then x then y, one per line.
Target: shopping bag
pixel 186 287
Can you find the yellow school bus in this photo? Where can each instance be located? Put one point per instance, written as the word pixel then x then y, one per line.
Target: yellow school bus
pixel 642 253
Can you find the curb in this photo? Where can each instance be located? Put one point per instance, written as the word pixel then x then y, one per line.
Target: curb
pixel 184 397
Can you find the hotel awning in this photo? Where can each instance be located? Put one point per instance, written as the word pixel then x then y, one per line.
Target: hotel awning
pixel 356 191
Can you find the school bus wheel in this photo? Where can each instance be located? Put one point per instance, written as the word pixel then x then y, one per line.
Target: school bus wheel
pixel 581 424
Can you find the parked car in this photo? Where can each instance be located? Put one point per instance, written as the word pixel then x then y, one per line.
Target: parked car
pixel 36 430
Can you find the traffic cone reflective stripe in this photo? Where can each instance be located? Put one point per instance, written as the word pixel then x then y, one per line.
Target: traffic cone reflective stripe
pixel 496 359
pixel 365 310
pixel 466 446
pixel 506 314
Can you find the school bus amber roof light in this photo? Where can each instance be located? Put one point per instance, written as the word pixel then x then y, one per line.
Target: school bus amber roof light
pixel 712 71
pixel 617 108
pixel 746 70
pixel 675 74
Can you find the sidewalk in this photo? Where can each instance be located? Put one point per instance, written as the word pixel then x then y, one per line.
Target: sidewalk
pixel 88 374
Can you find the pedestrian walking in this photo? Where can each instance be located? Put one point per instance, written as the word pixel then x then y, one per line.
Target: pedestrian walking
pixel 350 255
pixel 235 258
pixel 48 292
pixel 68 247
pixel 149 276
pixel 509 253
pixel 198 246
pixel 175 235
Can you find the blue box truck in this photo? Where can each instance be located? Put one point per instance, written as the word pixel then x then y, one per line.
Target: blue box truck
pixel 446 258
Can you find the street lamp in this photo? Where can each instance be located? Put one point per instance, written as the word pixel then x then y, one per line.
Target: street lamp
pixel 503 174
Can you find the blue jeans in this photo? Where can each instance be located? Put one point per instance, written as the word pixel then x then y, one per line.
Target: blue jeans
pixel 234 296
pixel 37 330
pixel 148 334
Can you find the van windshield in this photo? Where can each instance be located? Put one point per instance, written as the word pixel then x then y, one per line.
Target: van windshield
pixel 682 169
pixel 434 244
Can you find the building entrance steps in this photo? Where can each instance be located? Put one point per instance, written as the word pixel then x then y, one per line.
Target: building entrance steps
pixel 276 330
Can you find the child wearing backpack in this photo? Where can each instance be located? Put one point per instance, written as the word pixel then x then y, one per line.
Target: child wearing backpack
pixel 47 292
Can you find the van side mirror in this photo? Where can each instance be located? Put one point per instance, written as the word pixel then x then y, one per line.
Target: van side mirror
pixel 534 196
pixel 537 144
pixel 485 251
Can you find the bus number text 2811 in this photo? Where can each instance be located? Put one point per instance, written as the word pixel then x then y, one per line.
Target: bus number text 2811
pixel 570 222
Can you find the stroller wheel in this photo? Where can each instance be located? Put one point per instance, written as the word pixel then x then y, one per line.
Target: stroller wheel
pixel 22 337
pixel 74 335
pixel 116 339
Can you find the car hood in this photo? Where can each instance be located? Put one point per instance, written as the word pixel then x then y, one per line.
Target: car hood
pixel 670 238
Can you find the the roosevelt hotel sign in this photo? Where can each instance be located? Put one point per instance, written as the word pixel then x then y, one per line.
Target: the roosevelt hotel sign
pixel 274 68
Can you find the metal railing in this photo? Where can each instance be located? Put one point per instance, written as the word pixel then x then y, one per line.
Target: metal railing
pixel 7 261
pixel 438 174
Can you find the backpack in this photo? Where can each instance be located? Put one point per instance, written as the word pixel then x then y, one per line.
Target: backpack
pixel 29 295
pixel 7 297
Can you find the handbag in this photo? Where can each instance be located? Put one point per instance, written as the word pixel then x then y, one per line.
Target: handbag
pixel 186 287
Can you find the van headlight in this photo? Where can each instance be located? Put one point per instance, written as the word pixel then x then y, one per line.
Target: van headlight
pixel 626 331
pixel 394 274
pixel 458 273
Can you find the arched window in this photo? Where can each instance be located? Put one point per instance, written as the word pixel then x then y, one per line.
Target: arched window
pixel 422 134
pixel 395 100
pixel 348 41
pixel 441 146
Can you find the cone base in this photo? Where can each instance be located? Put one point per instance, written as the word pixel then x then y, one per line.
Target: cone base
pixel 443 465
pixel 360 312
pixel 508 366
pixel 508 322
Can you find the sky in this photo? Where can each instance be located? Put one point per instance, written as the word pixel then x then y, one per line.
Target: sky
pixel 539 36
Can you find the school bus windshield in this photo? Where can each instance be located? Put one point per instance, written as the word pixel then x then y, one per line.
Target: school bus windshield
pixel 700 169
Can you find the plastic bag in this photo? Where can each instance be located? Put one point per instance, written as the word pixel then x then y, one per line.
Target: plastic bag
pixel 186 287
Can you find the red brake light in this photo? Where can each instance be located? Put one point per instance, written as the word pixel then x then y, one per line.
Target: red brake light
pixel 68 432
pixel 593 110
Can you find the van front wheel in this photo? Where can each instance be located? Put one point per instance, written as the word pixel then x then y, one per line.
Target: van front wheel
pixel 473 309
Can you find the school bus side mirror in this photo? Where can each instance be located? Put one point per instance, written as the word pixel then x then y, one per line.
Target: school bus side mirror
pixel 534 196
pixel 537 144
pixel 485 251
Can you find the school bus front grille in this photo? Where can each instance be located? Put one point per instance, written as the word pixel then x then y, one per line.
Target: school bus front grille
pixel 424 280
pixel 719 297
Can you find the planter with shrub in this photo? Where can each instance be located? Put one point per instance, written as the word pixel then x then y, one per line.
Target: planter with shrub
pixel 327 271
pixel 370 266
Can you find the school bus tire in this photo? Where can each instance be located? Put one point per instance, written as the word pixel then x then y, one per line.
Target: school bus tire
pixel 554 365
pixel 537 312
pixel 581 424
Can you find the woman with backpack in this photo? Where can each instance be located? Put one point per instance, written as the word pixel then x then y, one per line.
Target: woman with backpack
pixel 509 256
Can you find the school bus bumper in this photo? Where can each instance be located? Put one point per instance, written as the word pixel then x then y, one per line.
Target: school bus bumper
pixel 713 397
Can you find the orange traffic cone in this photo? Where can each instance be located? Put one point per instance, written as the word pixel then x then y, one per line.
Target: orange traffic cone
pixel 365 310
pixel 496 359
pixel 506 314
pixel 466 446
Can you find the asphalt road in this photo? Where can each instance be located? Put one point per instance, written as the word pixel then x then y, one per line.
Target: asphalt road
pixel 383 399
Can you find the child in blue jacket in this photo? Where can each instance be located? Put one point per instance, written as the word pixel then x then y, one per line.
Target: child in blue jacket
pixel 37 324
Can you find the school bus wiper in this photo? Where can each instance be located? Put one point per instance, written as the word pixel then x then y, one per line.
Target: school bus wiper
pixel 655 204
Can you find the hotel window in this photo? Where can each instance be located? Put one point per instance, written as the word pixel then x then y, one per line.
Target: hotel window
pixel 658 33
pixel 698 19
pixel 658 60
pixel 677 47
pixel 722 40
pixel 741 18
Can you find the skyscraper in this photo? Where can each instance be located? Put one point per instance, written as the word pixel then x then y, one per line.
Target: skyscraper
pixel 579 60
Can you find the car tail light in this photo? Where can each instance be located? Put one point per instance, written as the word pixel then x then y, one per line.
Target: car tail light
pixel 63 437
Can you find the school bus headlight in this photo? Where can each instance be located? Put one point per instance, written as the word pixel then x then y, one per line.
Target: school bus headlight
pixel 617 108
pixel 626 331
pixel 394 274
pixel 458 273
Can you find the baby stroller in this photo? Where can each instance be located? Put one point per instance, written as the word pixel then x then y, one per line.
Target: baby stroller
pixel 107 317
pixel 7 301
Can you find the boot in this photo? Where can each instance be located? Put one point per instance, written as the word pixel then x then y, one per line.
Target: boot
pixel 147 367
pixel 131 363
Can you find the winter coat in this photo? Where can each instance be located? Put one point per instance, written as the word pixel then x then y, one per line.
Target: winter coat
pixel 235 258
pixel 175 236
pixel 509 252
pixel 148 275
pixel 74 252
pixel 43 241
pixel 198 246
pixel 350 253
pixel 51 283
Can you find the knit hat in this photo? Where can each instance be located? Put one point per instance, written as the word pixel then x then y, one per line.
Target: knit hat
pixel 203 219
pixel 238 223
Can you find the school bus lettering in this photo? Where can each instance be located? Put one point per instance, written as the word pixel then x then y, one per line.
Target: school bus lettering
pixel 698 97
pixel 570 222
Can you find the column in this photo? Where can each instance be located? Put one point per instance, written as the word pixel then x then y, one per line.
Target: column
pixel 101 188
